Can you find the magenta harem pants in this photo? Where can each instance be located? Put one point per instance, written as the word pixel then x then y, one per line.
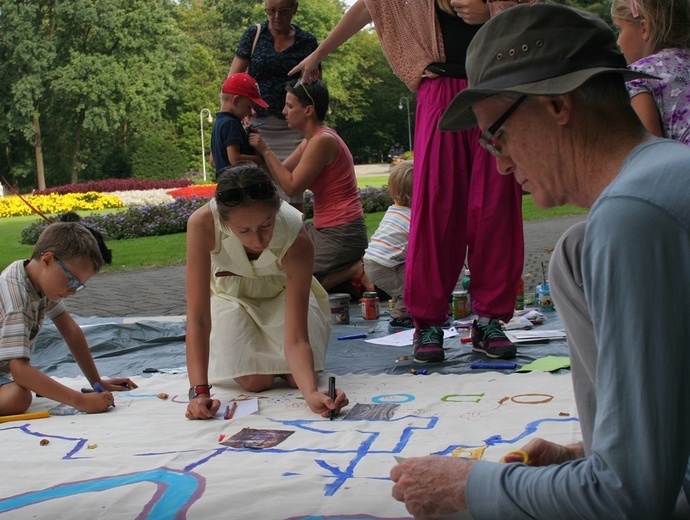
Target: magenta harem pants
pixel 460 205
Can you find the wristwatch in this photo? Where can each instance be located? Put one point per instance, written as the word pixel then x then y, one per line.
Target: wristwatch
pixel 198 390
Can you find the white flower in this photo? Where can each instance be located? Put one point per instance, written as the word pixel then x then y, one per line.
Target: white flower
pixel 143 197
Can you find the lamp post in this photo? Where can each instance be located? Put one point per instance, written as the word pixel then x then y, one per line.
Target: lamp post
pixel 201 126
pixel 409 126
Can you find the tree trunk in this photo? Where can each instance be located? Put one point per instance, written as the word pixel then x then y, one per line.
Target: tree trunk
pixel 77 144
pixel 38 147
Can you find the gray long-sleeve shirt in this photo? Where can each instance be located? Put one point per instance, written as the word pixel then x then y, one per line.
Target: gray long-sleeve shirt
pixel 636 274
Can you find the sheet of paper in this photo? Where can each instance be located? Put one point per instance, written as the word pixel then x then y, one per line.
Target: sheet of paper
pixel 243 409
pixel 547 364
pixel 404 338
pixel 525 336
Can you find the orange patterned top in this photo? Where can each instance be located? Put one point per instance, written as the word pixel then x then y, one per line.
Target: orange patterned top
pixel 410 36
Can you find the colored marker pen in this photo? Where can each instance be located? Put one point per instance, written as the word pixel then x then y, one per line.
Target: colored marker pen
pixel 353 336
pixel 492 366
pixel 230 410
pixel 331 394
pixel 98 387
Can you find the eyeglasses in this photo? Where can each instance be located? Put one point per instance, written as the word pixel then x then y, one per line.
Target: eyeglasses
pixel 300 82
pixel 72 283
pixel 231 197
pixel 283 11
pixel 486 140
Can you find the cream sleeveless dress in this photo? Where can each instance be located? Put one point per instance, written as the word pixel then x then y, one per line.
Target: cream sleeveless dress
pixel 248 310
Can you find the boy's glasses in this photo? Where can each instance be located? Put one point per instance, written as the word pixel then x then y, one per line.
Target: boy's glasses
pixel 72 283
pixel 487 138
pixel 300 82
pixel 231 197
pixel 283 11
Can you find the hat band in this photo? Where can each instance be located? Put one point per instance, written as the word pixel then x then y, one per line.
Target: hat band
pixel 552 70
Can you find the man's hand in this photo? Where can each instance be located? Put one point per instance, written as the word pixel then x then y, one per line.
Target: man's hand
pixel 431 486
pixel 545 453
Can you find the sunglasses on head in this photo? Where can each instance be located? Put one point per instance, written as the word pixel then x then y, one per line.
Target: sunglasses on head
pixel 230 197
pixel 300 82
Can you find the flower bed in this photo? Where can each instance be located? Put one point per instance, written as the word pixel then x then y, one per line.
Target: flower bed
pixel 136 222
pixel 13 206
pixel 201 190
pixel 110 185
pixel 143 197
pixel 149 213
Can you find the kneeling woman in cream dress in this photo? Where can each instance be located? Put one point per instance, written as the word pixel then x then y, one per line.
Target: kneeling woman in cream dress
pixel 254 310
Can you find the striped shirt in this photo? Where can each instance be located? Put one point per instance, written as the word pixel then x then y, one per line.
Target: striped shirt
pixel 22 311
pixel 388 245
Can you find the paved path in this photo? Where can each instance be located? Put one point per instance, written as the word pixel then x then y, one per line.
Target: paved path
pixel 161 292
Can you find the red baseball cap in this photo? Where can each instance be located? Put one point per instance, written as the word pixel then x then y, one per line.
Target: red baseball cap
pixel 241 84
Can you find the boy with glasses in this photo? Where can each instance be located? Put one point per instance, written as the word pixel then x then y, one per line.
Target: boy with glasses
pixel 66 255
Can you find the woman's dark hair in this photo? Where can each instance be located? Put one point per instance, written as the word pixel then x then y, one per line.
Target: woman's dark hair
pixel 311 93
pixel 107 254
pixel 239 185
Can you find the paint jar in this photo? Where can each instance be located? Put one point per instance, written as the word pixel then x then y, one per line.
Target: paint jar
pixel 466 281
pixel 543 297
pixel 461 304
pixel 370 305
pixel 520 300
pixel 340 308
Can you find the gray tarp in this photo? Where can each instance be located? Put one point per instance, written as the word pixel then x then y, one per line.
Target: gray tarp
pixel 126 349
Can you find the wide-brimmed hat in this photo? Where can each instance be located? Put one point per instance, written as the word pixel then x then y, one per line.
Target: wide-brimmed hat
pixel 241 84
pixel 535 49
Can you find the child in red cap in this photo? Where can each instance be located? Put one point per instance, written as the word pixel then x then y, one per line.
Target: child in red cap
pixel 229 139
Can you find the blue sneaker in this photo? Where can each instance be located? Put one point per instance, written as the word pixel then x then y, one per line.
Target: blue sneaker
pixel 398 324
pixel 428 345
pixel 492 341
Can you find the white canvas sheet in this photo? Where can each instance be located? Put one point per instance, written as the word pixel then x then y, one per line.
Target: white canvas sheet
pixel 143 459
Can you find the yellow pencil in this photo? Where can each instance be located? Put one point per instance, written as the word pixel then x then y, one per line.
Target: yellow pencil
pixel 24 416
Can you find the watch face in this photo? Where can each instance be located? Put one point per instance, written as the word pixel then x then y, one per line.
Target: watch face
pixel 192 394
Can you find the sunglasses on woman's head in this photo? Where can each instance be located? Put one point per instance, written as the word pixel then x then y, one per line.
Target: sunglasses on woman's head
pixel 300 82
pixel 230 197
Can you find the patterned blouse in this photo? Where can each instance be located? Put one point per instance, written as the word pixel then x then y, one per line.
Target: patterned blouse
pixel 671 93
pixel 270 68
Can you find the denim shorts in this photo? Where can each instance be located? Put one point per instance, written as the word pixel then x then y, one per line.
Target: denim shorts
pixel 4 381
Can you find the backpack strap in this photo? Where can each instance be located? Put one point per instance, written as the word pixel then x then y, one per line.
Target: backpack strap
pixel 256 39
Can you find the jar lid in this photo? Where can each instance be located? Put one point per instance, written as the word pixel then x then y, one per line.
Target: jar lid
pixel 370 294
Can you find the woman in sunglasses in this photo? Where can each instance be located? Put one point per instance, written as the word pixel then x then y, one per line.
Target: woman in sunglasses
pixel 323 164
pixel 254 310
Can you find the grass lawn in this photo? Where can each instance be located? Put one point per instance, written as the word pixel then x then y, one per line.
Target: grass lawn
pixel 139 253
pixel 377 181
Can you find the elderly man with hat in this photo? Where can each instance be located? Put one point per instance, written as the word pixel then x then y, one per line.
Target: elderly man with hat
pixel 547 90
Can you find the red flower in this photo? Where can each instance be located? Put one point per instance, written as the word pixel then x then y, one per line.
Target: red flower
pixel 206 190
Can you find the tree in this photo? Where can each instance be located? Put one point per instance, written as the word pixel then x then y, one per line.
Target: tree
pixel 84 68
pixel 27 53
